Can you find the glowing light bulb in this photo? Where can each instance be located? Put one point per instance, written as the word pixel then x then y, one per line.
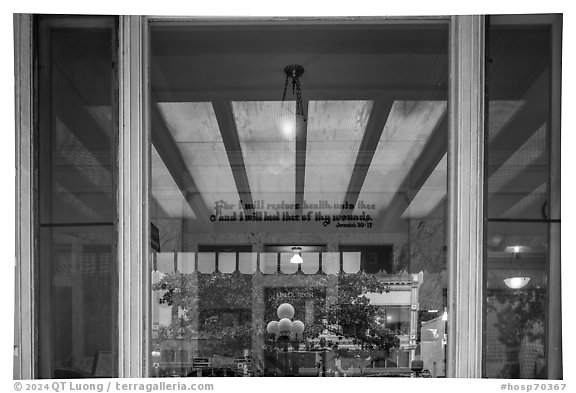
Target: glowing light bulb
pixel 296 258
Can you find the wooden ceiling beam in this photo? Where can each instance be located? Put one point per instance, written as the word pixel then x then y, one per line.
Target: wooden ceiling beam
pixel 378 117
pixel 90 195
pixel 71 108
pixel 528 119
pixel 433 151
pixel 172 157
pixel 229 132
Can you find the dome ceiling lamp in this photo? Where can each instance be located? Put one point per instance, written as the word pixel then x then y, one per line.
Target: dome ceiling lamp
pixel 297 259
pixel 517 280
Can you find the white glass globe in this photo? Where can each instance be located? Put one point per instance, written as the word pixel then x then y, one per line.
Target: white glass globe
pixel 272 327
pixel 285 310
pixel 298 327
pixel 285 325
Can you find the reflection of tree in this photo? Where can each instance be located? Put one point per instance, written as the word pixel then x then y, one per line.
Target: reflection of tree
pixel 351 316
pixel 227 339
pixel 224 322
pixel 517 316
pixel 358 318
pixel 364 324
pixel 226 314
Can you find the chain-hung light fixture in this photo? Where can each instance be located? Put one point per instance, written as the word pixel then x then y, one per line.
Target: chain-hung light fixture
pixel 518 279
pixel 294 72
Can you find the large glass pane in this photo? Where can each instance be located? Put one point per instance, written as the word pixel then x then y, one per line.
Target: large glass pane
pixel 77 134
pixel 522 204
pixel 304 236
pixel 516 314
pixel 518 170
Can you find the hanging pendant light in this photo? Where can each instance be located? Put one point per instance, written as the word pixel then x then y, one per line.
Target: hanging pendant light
pixel 518 280
pixel 294 72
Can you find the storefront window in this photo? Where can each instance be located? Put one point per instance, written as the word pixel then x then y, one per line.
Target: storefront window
pixel 298 199
pixel 522 205
pixel 76 176
pixel 293 178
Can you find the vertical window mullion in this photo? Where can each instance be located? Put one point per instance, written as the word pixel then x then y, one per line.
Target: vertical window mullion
pixel 133 164
pixel 466 104
pixel 554 342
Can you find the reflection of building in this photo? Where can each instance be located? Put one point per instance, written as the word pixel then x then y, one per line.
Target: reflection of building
pixel 433 346
pixel 402 307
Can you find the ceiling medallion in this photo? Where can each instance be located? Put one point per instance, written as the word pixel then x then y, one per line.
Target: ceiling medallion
pixel 294 72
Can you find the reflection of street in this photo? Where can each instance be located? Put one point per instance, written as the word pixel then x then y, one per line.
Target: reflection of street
pixel 330 363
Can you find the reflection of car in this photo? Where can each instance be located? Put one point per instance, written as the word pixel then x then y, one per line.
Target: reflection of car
pixel 389 372
pixel 220 371
pixel 244 365
pixel 62 373
pixel 201 362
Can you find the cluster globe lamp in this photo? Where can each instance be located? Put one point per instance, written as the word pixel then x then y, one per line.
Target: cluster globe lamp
pixel 286 331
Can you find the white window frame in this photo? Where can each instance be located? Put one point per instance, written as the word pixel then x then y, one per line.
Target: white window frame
pixel 133 152
pixel 24 319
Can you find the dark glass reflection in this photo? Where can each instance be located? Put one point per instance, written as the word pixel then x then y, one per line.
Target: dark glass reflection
pixel 77 297
pixel 521 201
pixel 516 317
pixel 518 170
